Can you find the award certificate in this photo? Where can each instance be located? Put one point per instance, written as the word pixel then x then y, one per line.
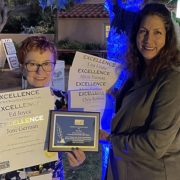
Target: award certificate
pixel 74 130
pixel 23 128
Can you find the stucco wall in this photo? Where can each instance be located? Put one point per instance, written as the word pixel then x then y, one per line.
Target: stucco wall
pixel 83 30
pixel 17 38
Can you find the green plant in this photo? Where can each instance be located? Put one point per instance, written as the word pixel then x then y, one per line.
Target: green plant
pixel 32 16
pixel 14 24
pixel 67 44
pixel 72 46
pixel 76 45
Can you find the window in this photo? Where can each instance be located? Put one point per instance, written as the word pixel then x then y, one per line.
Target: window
pixel 106 30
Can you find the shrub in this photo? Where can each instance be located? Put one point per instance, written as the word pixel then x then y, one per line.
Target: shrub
pixel 76 46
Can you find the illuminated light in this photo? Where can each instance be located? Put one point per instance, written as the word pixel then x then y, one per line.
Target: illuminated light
pixel 109 7
pixel 131 5
pixel 117 48
pixel 61 4
pixel 178 9
pixel 105 157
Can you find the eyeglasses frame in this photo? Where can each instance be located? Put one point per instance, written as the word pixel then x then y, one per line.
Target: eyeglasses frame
pixel 40 65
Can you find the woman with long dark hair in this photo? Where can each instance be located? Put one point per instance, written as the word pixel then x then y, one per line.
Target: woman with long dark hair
pixel 145 135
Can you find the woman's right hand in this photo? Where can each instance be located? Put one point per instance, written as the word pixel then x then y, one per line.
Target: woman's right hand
pixel 103 135
pixel 76 157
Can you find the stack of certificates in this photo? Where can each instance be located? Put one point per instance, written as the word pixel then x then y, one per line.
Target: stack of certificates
pixel 89 79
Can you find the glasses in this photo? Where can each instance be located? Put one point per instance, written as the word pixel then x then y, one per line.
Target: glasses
pixel 33 67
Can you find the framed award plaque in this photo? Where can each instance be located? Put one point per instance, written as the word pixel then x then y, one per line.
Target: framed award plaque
pixel 74 130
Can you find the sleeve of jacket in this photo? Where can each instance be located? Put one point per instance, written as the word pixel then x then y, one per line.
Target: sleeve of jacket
pixel 164 126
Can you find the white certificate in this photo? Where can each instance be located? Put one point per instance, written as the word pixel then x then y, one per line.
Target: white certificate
pixel 23 128
pixel 42 177
pixel 87 100
pixel 91 72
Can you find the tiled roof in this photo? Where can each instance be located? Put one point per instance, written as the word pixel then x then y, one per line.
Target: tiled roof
pixel 85 11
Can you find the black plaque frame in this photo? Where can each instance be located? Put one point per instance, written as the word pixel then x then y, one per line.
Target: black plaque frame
pixel 84 134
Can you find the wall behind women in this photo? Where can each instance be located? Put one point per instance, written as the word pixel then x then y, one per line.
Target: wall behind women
pixel 17 38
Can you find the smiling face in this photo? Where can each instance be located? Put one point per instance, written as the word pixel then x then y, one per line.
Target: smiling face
pixel 39 78
pixel 151 37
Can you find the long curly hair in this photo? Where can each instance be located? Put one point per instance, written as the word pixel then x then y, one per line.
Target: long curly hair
pixel 168 55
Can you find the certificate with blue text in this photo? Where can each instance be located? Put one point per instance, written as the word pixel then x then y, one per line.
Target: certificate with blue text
pixel 23 128
pixel 74 130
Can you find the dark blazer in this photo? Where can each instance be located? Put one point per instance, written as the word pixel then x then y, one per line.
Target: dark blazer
pixel 145 130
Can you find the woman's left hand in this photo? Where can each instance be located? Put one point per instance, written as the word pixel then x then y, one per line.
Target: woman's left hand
pixel 103 135
pixel 76 157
